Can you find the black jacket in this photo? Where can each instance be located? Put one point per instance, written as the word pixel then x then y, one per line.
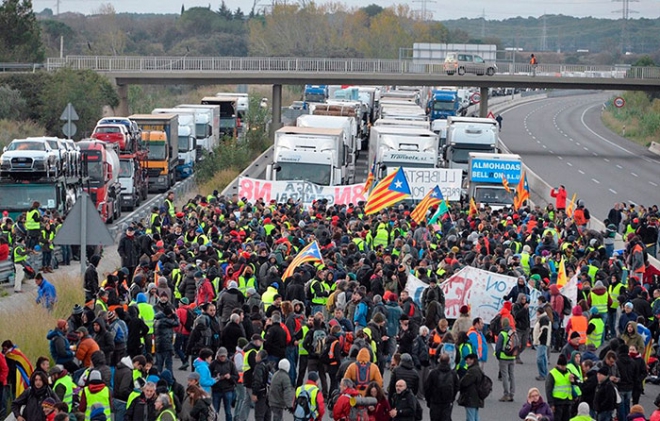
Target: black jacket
pixel 628 371
pixel 123 384
pixel 605 398
pixel 441 386
pixel 141 409
pixel 137 329
pixel 218 370
pixel 188 288
pixel 32 401
pixel 275 341
pixel 405 371
pixel 128 250
pixel 405 404
pixel 230 336
pixel 260 379
pixel 164 331
pixel 104 338
pixel 468 386
pixel 91 283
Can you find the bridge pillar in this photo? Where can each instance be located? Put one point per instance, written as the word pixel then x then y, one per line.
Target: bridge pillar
pixel 122 109
pixel 276 111
pixel 483 105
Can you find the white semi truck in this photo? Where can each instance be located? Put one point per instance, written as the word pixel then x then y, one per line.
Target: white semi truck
pixel 409 147
pixel 207 126
pixel 469 134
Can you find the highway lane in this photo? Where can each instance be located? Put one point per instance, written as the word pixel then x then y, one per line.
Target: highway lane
pixel 564 141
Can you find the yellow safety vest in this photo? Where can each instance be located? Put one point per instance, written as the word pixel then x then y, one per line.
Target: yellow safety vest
pixel 301 348
pixel 503 355
pixel 102 397
pixel 268 297
pixel 146 312
pixel 319 300
pixel 69 385
pixel 577 372
pixel 563 386
pixel 244 284
pixel 614 292
pixel 599 301
pixel 595 338
pixel 170 207
pixel 18 258
pixel 30 224
pixel 169 411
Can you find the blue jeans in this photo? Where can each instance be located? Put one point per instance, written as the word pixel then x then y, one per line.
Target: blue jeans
pixel 46 258
pixel 228 398
pixel 240 397
pixel 610 324
pixel 66 254
pixel 180 342
pixel 471 414
pixel 624 406
pixel 164 360
pixel 292 357
pixel 542 360
pixel 119 409
pixel 604 416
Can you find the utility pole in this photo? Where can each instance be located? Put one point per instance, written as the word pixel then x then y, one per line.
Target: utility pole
pixel 424 10
pixel 544 35
pixel 483 23
pixel 625 15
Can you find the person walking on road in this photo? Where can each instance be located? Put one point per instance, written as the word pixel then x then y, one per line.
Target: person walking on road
pixel 469 388
pixel 559 390
pixel 533 63
pixel 440 390
pixel 505 351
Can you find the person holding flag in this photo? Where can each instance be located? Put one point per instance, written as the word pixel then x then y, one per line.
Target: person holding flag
pixel 389 191
pixel 20 368
pixel 432 198
pixel 310 254
pixel 522 191
pixel 371 177
pixel 473 208
pixel 571 206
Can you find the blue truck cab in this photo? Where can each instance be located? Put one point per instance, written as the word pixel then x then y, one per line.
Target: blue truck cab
pixel 443 104
pixel 315 93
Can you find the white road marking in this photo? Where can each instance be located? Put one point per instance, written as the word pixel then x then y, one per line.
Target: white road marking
pixel 595 181
pixel 613 191
pixel 581 172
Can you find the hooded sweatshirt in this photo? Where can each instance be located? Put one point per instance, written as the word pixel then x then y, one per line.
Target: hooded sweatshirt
pixel 582 413
pixel 633 338
pixel 366 370
pixel 104 338
pixel 206 381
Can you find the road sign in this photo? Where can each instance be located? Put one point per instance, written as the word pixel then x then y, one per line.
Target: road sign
pixel 490 115
pixel 69 113
pixel 619 102
pixel 475 98
pixel 69 129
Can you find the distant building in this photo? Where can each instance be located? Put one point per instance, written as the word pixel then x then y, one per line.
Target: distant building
pixel 428 53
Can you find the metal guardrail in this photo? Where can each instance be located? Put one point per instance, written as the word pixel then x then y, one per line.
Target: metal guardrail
pixel 322 65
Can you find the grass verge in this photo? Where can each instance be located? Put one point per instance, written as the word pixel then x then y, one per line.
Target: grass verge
pixel 638 120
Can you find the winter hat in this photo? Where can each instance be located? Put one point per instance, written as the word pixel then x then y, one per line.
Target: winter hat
pixel 313 376
pixel 98 412
pixel 406 357
pixel 637 409
pixel 95 259
pixel 562 360
pixel 603 370
pixel 594 310
pixel 167 376
pixel 111 316
pixel 464 309
pixel 285 365
pixel 583 408
pixel 531 417
pixel 77 309
pixel 232 285
pixel 185 301
pixel 48 403
pixel 95 375
pixel 61 324
pixel 83 330
pixel 599 284
pixel 574 335
pixel 193 376
pixel 242 342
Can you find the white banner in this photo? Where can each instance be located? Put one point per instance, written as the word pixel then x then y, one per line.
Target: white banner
pixel 421 180
pixel 480 290
pixel 306 192
pixel 570 290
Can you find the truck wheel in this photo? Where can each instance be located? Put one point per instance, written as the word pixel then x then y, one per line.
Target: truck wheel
pixel 490 71
pixel 461 71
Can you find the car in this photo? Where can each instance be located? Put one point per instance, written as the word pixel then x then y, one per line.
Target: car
pixel 33 156
pixel 463 63
pixel 113 133
pixel 59 148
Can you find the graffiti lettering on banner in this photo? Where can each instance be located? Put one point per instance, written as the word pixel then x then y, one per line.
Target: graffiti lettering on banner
pixel 299 191
pixel 481 290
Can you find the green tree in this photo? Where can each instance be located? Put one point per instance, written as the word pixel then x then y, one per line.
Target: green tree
pixel 12 105
pixel 20 34
pixel 645 61
pixel 372 10
pixel 86 90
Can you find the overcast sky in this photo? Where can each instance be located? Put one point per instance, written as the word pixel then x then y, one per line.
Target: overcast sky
pixel 442 9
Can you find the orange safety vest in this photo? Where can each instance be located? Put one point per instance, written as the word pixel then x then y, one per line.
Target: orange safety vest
pixel 479 340
pixel 533 60
pixel 579 324
pixel 578 217
pixel 639 249
pixel 436 340
pixel 331 353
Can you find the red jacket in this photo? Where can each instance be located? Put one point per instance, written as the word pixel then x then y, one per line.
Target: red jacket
pixel 4 252
pixel 342 408
pixel 4 370
pixel 560 198
pixel 205 293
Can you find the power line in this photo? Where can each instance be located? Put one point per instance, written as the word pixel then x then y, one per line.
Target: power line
pixel 424 10
pixel 625 15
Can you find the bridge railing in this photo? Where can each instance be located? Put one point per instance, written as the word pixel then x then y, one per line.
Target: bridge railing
pixel 292 64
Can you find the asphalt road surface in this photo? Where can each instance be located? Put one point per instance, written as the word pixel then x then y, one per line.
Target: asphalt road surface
pixel 564 141
pixel 494 410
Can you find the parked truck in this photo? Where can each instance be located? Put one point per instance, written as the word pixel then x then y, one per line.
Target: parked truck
pixel 395 146
pixel 310 154
pixel 444 103
pixel 315 93
pixel 469 134
pixel 103 187
pixel 160 135
pixel 207 126
pixel 348 125
pixel 187 152
pixel 485 174
pixel 353 109
pixel 229 121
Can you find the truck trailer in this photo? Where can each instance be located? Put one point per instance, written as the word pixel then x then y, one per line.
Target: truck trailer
pixel 485 174
pixel 469 134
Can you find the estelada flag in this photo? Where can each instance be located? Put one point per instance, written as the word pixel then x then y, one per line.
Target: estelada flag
pixel 522 191
pixel 505 183
pixel 432 198
pixel 390 190
pixel 23 367
pixel 561 273
pixel 473 208
pixel 311 253
pixel 371 177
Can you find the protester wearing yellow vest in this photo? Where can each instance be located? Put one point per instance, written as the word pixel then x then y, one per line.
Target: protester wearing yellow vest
pixel 164 408
pixel 268 297
pixel 316 405
pixel 596 328
pixel 96 392
pixel 63 385
pixel 507 360
pixel 559 389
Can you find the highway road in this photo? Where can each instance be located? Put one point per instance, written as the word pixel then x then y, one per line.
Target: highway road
pixel 564 141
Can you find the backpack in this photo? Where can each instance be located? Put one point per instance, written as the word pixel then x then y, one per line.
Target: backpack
pixel 202 324
pixel 568 306
pixel 485 387
pixel 302 410
pixel 325 355
pixel 190 320
pixel 330 304
pixel 211 415
pixel 495 326
pixel 358 412
pixel 512 345
pixel 363 376
pixel 318 342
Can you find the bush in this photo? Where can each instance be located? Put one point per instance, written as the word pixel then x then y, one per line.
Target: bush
pixel 10 130
pixel 12 104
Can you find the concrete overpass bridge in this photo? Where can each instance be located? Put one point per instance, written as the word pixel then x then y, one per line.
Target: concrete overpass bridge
pixel 300 71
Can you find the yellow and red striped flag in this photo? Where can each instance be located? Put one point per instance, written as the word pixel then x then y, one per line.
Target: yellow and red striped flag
pixel 561 273
pixel 371 177
pixel 505 183
pixel 432 198
pixel 571 206
pixel 473 208
pixel 390 190
pixel 522 191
